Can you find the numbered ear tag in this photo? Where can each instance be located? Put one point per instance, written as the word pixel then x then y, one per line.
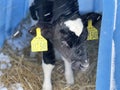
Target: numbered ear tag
pixel 92 31
pixel 39 43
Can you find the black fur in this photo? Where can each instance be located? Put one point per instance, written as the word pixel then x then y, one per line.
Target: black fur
pixel 40 8
pixel 59 36
pixel 49 56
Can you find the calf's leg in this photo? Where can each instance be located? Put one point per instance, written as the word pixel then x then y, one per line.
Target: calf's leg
pixel 48 63
pixel 68 72
pixel 47 69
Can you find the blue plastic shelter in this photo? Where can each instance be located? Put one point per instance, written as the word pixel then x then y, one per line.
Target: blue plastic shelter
pixel 11 13
pixel 108 72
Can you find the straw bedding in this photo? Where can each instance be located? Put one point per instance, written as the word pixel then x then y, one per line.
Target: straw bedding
pixel 28 71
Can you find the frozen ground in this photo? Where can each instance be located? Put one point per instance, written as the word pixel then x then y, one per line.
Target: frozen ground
pixel 5 64
pixel 16 86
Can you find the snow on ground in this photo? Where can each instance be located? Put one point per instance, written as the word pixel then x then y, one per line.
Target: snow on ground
pixel 2 87
pixel 17 44
pixel 16 86
pixel 21 38
pixel 4 64
pixel 1 73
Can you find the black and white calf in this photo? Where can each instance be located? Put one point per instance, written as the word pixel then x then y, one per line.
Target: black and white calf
pixel 66 33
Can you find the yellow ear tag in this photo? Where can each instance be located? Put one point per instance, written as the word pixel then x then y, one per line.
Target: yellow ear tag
pixel 39 43
pixel 92 31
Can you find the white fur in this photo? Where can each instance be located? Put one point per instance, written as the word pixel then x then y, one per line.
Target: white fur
pixel 47 69
pixel 68 72
pixel 75 26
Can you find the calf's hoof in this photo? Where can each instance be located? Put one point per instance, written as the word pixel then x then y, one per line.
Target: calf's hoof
pixel 47 87
pixel 70 79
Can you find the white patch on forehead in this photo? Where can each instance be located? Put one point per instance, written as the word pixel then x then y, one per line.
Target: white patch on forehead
pixel 75 26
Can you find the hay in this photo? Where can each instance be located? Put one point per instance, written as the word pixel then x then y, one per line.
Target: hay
pixel 30 75
pixel 28 71
pixel 25 73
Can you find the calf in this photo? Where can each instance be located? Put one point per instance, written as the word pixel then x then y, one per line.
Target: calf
pixel 66 33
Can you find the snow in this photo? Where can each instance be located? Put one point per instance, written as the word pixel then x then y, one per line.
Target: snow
pixel 1 85
pixel 4 57
pixel 16 86
pixel 17 44
pixel 1 73
pixel 4 88
pixel 4 62
pixel 21 38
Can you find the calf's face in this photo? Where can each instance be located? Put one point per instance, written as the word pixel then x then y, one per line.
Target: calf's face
pixel 79 57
